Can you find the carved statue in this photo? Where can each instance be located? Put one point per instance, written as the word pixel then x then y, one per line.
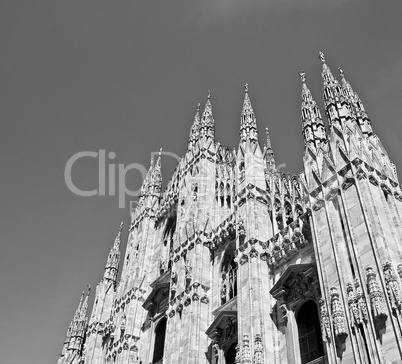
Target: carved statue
pixel 173 281
pixel 354 312
pixel 241 229
pixel 188 269
pixel 162 266
pixel 223 290
pixel 284 312
pixel 392 286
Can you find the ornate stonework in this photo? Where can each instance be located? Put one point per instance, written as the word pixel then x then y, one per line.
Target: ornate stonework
pixel 240 262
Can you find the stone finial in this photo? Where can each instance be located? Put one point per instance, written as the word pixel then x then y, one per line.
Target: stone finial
pixel 341 72
pixel 321 56
pixel 246 88
pixel 209 95
pixel 302 75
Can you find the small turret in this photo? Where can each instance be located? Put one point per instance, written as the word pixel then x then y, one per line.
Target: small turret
pixel 71 330
pixel 248 123
pixel 195 129
pixel 113 260
pixel 157 176
pixel 269 153
pixel 356 105
pixel 337 109
pixel 331 87
pixel 312 125
pixel 75 337
pixel 207 125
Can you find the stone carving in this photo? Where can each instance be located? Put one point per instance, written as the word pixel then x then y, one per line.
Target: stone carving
pixel 238 356
pixel 354 312
pixel 399 270
pixel 223 289
pixel 338 316
pixel 284 312
pixel 240 228
pixel 258 350
pixel 162 266
pixel 231 329
pixel 215 349
pixel 325 325
pixel 301 286
pixel 361 302
pixel 243 259
pixel 189 270
pixel 246 354
pixel 253 253
pixel 173 283
pixel 392 286
pixel 377 300
pixel 373 180
pixel 123 323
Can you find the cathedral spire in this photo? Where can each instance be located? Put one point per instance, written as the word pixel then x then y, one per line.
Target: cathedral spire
pixel 356 105
pixel 207 124
pixel 331 85
pixel 269 153
pixel 84 306
pixel 312 125
pixel 113 260
pixel 195 128
pixel 157 175
pixel 248 123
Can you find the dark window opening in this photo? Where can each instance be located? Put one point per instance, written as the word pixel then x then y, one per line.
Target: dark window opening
pixel 160 334
pixel 308 324
pixel 230 355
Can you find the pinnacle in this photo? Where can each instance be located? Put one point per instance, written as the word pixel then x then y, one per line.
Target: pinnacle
pixel 321 56
pixel 302 75
pixel 195 128
pixel 207 124
pixel 247 108
pixel 268 138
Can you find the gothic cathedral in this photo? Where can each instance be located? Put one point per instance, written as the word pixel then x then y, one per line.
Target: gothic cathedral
pixel 236 262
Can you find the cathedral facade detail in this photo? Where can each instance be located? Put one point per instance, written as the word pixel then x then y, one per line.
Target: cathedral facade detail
pixel 237 262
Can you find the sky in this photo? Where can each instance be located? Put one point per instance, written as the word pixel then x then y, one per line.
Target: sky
pixel 125 77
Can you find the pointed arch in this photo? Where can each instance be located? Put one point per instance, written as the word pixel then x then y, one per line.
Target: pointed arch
pixel 309 330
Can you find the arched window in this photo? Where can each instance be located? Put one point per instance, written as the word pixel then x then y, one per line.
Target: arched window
pixel 308 324
pixel 228 275
pixel 160 334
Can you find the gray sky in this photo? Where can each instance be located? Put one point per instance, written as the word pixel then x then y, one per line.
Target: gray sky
pixel 126 76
